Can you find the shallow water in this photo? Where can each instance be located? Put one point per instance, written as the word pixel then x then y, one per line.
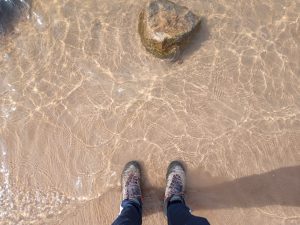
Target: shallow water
pixel 80 97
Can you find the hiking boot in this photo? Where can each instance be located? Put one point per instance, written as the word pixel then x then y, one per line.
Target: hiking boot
pixel 131 177
pixel 175 184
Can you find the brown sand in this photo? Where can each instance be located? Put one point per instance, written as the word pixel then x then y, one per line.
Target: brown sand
pixel 79 97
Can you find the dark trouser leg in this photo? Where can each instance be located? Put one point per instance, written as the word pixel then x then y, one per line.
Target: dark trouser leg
pixel 131 214
pixel 179 214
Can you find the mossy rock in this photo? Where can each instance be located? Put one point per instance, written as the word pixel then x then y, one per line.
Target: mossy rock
pixel 165 27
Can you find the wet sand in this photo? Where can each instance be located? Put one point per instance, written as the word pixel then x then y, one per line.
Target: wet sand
pixel 80 96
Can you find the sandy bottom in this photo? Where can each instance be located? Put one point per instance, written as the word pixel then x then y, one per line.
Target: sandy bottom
pixel 80 96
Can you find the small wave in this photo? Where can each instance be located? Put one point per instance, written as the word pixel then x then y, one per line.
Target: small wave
pixel 23 206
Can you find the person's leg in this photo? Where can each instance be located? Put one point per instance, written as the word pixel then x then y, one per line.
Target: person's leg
pixel 178 214
pixel 131 213
pixel 131 206
pixel 174 205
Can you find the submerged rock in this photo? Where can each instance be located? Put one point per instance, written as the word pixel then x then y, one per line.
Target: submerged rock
pixel 10 12
pixel 166 27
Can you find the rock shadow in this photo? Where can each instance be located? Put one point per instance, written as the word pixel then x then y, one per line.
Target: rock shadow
pixel 197 40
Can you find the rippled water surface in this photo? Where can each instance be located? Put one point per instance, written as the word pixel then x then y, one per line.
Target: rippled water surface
pixel 80 96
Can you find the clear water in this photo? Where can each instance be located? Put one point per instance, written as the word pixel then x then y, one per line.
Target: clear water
pixel 80 96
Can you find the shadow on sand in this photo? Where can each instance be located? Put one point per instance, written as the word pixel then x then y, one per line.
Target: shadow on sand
pixel 277 187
